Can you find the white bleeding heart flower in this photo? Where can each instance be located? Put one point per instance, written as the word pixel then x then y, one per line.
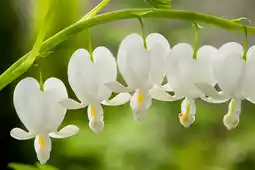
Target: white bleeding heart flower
pixel 87 79
pixel 184 72
pixel 41 114
pixel 235 77
pixel 143 70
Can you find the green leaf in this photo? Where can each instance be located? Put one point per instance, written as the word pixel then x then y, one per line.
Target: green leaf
pixel 17 166
pixel 164 4
pixel 45 167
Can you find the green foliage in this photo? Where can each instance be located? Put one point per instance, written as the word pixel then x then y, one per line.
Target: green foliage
pixel 164 4
pixel 17 166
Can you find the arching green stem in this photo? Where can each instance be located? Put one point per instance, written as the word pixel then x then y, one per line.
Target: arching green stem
pixel 90 45
pixel 143 32
pixel 245 44
pixel 95 10
pixel 196 40
pixel 9 75
pixel 41 79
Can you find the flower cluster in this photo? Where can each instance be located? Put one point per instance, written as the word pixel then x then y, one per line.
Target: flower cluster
pixel 143 63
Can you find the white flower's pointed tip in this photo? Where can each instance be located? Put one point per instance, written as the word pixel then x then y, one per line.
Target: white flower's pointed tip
pixel 185 120
pixel 229 123
pixel 140 116
pixel 96 126
pixel 43 157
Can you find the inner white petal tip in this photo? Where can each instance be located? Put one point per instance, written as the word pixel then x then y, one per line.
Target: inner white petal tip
pixel 96 126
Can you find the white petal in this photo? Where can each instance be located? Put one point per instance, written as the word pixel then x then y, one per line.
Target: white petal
pixel 158 48
pixel 212 100
pixel 56 87
pixel 29 104
pixel 95 112
pixel 140 102
pixel 55 91
pixel 117 87
pixel 187 117
pixel 66 132
pixel 42 146
pixel 249 77
pixel 105 61
pixel 228 49
pixel 180 68
pixel 107 69
pixel 120 99
pixel 167 87
pixel 160 94
pixel 83 75
pixel 20 134
pixel 210 91
pixel 96 126
pixel 231 119
pixel 205 61
pixel 229 73
pixel 71 104
pixel 133 60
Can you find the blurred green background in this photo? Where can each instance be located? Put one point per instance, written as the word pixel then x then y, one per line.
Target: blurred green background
pixel 158 143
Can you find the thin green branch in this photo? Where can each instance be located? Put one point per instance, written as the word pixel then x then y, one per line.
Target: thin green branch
pixel 95 10
pixel 245 43
pixel 143 32
pixel 196 40
pixel 68 32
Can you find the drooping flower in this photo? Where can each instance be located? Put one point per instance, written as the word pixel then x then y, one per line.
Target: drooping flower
pixel 184 72
pixel 143 69
pixel 235 77
pixel 87 79
pixel 41 114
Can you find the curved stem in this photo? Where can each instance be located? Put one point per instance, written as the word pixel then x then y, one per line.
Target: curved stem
pixel 143 32
pixel 196 41
pixel 66 33
pixel 245 44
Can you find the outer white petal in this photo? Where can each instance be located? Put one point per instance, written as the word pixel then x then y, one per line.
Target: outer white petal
pixel 160 94
pixel 158 48
pixel 187 117
pixel 107 69
pixel 67 131
pixel 55 91
pixel 42 146
pixel 96 117
pixel 29 104
pixel 133 60
pixel 20 134
pixel 83 75
pixel 105 61
pixel 231 119
pixel 117 87
pixel 205 62
pixel 71 104
pixel 120 99
pixel 229 73
pixel 140 102
pixel 228 49
pixel 249 79
pixel 181 68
